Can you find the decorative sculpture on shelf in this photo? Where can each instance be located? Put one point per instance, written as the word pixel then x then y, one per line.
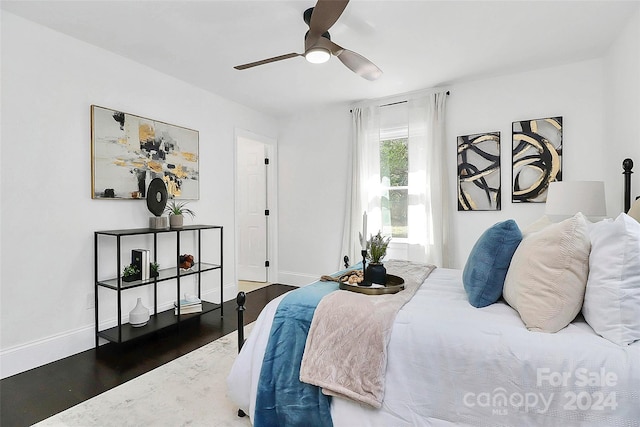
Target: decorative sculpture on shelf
pixel 186 261
pixel 156 203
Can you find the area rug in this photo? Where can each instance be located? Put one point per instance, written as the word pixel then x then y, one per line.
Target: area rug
pixel 188 391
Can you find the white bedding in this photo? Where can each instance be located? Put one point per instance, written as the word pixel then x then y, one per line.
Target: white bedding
pixel 452 364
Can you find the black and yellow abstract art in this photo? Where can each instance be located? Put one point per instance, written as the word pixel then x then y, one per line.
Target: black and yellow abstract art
pixel 536 158
pixel 129 151
pixel 479 172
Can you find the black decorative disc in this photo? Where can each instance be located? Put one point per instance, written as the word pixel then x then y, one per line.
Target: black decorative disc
pixel 157 196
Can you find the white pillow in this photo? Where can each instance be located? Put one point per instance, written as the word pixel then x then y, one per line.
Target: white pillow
pixel 612 299
pixel 548 275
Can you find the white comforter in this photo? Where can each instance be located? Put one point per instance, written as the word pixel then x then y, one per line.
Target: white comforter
pixel 452 364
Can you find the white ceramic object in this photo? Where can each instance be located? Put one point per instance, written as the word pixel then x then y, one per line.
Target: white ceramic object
pixel 139 316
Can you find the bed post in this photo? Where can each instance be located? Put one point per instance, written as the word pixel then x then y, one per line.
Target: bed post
pixel 240 300
pixel 627 165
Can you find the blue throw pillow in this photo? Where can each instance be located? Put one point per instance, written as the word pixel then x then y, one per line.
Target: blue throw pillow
pixel 486 268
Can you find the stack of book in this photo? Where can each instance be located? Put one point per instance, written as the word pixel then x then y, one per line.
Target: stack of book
pixel 141 258
pixel 189 304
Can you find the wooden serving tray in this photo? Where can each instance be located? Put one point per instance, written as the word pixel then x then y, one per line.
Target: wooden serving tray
pixel 394 285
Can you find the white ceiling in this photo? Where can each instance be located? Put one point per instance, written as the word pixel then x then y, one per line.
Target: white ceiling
pixel 418 44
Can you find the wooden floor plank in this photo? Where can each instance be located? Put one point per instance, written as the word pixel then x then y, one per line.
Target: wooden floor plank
pixel 39 393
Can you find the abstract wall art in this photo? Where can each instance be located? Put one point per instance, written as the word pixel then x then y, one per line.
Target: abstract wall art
pixel 536 157
pixel 479 172
pixel 128 152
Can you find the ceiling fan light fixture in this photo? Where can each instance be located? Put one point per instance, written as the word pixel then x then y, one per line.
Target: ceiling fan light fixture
pixel 317 55
pixel 319 48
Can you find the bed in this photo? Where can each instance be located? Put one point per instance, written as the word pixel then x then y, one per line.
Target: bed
pixel 447 362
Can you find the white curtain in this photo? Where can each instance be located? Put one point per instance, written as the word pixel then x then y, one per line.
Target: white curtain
pixel 363 190
pixel 428 213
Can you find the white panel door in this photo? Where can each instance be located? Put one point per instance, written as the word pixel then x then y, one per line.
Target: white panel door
pixel 252 203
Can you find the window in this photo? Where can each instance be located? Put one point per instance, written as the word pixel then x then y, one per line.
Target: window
pixel 399 178
pixel 394 174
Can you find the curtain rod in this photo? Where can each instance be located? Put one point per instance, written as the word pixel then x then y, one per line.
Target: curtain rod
pixel 396 103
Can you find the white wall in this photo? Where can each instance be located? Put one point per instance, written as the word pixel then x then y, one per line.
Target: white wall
pixel 49 81
pixel 314 149
pixel 598 99
pixel 622 114
pixel 313 154
pixel 574 91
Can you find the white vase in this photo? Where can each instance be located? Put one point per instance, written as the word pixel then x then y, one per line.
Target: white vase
pixel 139 316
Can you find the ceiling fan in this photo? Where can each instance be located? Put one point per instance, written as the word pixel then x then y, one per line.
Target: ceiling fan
pixel 318 46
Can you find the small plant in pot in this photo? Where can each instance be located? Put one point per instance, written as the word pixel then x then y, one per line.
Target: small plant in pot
pixel 176 211
pixel 130 273
pixel 154 267
pixel 376 250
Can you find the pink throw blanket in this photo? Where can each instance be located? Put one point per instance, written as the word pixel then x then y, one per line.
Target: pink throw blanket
pixel 346 349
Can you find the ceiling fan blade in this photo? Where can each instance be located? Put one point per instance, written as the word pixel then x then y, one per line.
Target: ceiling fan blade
pixel 353 61
pixel 266 61
pixel 359 65
pixel 325 14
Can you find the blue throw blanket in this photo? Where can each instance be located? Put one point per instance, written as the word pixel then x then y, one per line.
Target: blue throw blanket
pixel 282 400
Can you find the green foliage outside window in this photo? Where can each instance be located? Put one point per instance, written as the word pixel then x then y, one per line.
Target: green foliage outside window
pixel 394 161
pixel 394 164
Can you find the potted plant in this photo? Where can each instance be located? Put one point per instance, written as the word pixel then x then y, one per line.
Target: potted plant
pixel 376 250
pixel 130 273
pixel 176 211
pixel 154 266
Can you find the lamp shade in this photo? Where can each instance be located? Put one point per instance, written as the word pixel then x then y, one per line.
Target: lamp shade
pixel 634 212
pixel 567 198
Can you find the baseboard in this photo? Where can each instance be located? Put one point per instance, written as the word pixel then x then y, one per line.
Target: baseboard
pixel 296 279
pixel 36 353
pixel 40 352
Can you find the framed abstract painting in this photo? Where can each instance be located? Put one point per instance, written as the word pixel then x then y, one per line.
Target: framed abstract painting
pixel 536 158
pixel 479 172
pixel 129 151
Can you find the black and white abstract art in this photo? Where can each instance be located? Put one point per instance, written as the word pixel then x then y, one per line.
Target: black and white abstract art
pixel 536 158
pixel 128 152
pixel 479 172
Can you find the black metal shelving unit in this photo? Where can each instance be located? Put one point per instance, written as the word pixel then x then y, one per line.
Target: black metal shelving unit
pixel 158 320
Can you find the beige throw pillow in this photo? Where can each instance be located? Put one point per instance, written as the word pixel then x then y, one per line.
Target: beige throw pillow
pixel 537 225
pixel 548 274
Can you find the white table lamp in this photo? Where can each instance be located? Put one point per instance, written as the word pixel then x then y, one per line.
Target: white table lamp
pixel 567 198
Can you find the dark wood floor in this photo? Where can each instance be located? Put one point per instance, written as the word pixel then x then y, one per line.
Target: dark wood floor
pixel 35 395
